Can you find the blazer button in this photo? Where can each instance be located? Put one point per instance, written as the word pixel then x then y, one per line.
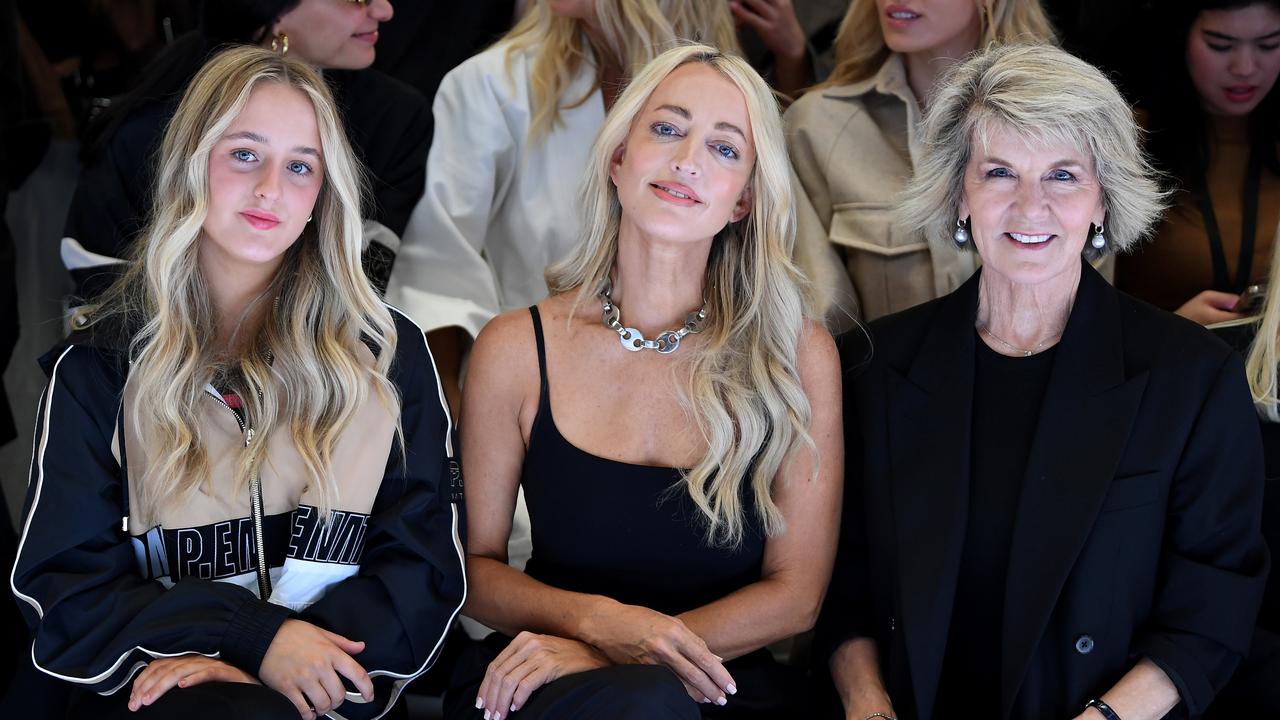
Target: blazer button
pixel 1084 644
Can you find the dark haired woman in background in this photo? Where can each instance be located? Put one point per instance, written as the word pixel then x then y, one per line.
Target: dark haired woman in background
pixel 388 123
pixel 1215 128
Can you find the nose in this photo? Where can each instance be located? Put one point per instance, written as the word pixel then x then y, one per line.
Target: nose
pixel 268 187
pixel 1243 63
pixel 1032 201
pixel 381 10
pixel 686 159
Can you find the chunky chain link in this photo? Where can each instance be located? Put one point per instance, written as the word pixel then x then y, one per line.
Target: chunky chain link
pixel 666 343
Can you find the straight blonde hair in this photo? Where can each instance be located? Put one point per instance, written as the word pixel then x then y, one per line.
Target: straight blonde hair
pixel 306 372
pixel 632 32
pixel 861 50
pixel 1263 360
pixel 744 391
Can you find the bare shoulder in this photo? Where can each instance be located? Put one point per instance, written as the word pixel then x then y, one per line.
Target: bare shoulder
pixel 817 357
pixel 505 353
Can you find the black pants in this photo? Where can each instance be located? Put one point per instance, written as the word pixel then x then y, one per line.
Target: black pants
pixel 208 701
pixel 766 689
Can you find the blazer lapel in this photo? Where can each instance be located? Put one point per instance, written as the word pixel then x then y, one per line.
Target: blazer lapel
pixel 930 410
pixel 1085 418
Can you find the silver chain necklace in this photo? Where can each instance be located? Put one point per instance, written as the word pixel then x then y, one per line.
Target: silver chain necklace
pixel 666 342
pixel 1025 352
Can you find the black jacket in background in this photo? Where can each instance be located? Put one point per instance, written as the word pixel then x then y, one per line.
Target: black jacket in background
pixel 1137 532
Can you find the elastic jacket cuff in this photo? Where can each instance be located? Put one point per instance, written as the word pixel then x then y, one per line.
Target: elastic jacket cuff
pixel 250 632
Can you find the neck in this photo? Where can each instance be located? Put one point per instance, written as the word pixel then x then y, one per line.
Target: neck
pixel 924 67
pixel 1028 317
pixel 237 292
pixel 656 282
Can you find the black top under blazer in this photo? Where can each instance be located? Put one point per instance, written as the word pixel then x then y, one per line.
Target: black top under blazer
pixel 1137 530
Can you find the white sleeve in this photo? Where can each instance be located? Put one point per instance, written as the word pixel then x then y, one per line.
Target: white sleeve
pixel 441 277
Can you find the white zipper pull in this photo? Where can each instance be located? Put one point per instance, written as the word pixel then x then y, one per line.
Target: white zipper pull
pixel 248 436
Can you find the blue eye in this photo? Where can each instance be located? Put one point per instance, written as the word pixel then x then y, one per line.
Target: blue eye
pixel 664 129
pixel 1000 172
pixel 243 155
pixel 1063 175
pixel 299 168
pixel 728 152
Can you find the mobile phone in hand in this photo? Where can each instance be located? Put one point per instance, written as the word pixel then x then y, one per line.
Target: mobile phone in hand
pixel 1250 301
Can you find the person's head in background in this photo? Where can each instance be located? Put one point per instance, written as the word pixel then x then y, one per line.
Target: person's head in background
pixel 930 35
pixel 1220 60
pixel 1233 55
pixel 618 35
pixel 326 34
pixel 335 34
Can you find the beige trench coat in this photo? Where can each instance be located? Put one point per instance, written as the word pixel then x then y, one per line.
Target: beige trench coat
pixel 853 148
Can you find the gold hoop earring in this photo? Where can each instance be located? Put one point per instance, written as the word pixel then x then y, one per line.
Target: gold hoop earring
pixel 280 44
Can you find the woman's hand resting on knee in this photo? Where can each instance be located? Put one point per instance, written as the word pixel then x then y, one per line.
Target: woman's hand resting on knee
pixel 306 664
pixel 630 634
pixel 529 662
pixel 163 674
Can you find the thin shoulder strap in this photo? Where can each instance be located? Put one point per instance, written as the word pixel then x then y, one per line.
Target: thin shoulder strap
pixel 544 394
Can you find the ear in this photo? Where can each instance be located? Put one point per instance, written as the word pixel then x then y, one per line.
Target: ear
pixel 615 162
pixel 743 207
pixel 964 207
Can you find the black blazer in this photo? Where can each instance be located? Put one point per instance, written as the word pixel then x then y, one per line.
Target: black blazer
pixel 1138 524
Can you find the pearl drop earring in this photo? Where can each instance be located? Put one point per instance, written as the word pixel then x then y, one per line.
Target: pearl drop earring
pixel 1099 240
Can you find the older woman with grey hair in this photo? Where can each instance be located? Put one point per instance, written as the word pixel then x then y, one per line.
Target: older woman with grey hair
pixel 1053 491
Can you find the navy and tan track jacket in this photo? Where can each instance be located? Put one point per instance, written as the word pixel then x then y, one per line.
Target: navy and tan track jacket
pixel 104 594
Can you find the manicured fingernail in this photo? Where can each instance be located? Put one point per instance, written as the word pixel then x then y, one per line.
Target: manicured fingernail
pixel 722 700
pixel 732 689
pixel 487 714
pixel 497 716
pixel 479 703
pixel 513 707
pixel 706 699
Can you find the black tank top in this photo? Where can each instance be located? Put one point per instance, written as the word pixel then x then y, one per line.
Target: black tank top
pixel 625 531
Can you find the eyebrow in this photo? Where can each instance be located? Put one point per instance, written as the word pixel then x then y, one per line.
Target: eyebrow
pixel 255 137
pixel 1233 38
pixel 1064 162
pixel 684 113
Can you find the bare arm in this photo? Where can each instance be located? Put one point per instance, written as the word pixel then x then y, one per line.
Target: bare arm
pixel 1144 693
pixel 797 563
pixel 855 668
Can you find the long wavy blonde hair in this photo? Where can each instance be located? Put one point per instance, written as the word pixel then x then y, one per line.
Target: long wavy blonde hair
pixel 1263 360
pixel 307 370
pixel 632 32
pixel 861 50
pixel 744 392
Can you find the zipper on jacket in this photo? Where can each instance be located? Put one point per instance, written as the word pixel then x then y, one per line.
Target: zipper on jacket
pixel 255 505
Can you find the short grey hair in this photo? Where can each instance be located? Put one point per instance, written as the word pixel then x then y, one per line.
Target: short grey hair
pixel 1047 95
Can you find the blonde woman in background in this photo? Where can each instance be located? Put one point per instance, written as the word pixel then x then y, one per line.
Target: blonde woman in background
pixel 855 142
pixel 239 499
pixel 1253 690
pixel 513 127
pixel 673 418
